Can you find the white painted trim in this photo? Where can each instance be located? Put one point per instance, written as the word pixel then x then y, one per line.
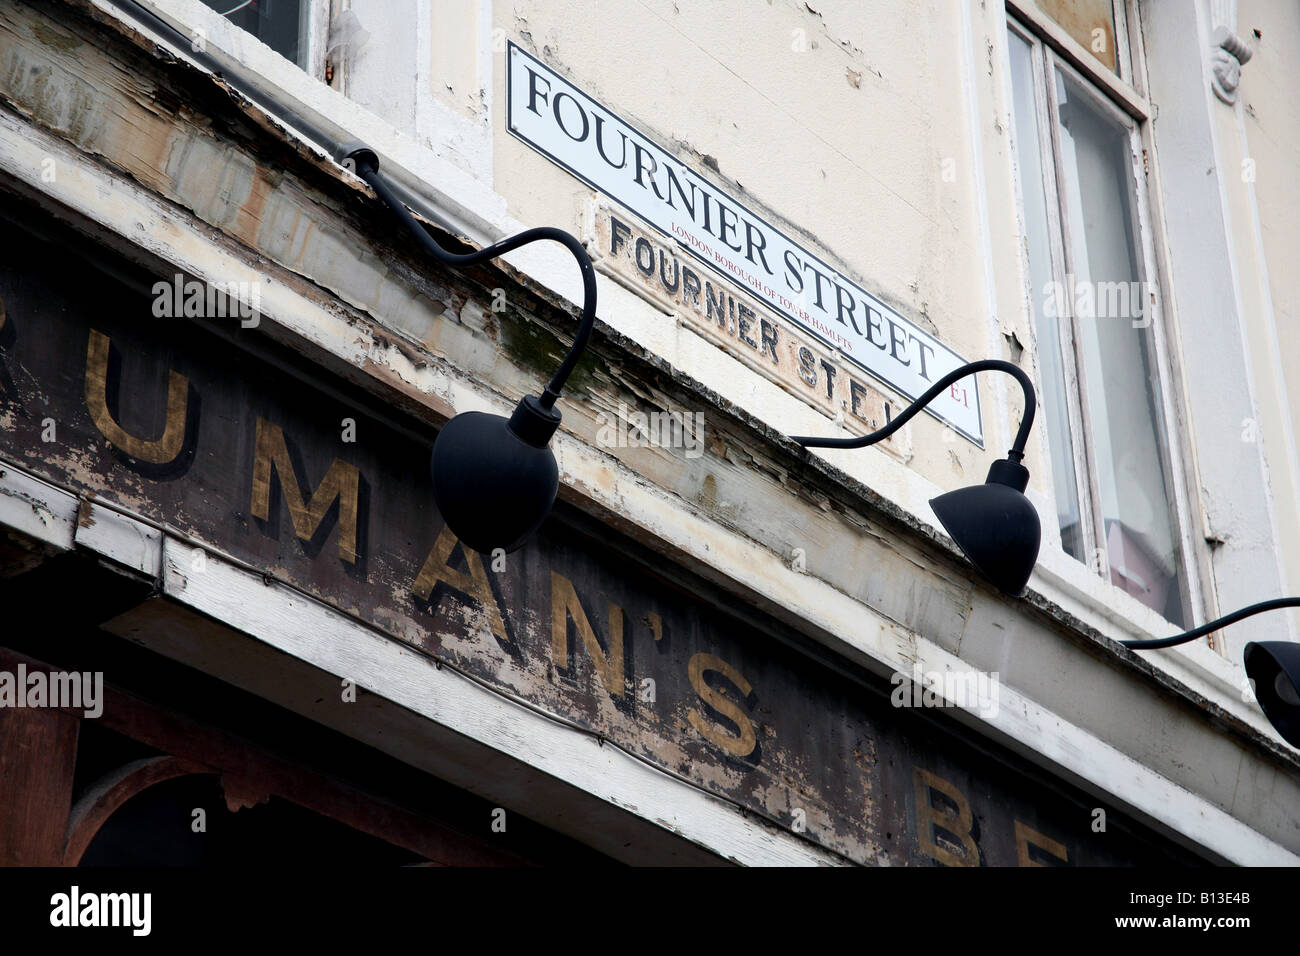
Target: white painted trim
pixel 317 37
pixel 1247 370
pixel 1074 751
pixel 332 642
pixel 36 508
pixel 975 140
pixel 1118 88
pixel 121 539
pixel 437 124
pixel 1289 452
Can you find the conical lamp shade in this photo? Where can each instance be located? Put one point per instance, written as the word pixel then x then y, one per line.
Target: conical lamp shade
pixel 995 526
pixel 493 488
pixel 1274 669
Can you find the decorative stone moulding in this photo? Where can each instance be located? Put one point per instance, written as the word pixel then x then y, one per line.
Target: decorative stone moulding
pixel 1228 52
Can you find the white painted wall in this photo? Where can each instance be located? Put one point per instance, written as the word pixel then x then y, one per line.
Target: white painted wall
pixel 1267 127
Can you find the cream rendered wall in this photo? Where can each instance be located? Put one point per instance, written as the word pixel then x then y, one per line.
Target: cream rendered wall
pixel 1271 105
pixel 1266 226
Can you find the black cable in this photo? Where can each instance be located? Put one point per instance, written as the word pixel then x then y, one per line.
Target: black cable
pixel 1214 625
pixel 1017 451
pixel 367 167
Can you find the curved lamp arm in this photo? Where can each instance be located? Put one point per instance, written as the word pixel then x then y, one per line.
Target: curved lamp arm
pixel 367 167
pixel 366 164
pixel 1017 451
pixel 993 524
pixel 1194 633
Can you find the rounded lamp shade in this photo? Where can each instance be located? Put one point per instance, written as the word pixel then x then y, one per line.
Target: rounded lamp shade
pixel 995 526
pixel 1274 671
pixel 493 487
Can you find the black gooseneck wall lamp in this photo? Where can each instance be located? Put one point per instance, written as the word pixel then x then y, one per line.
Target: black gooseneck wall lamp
pixel 1272 666
pixel 998 530
pixel 994 524
pixel 494 478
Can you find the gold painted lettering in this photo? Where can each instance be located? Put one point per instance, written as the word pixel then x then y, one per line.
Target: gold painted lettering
pixel 341 482
pixel 1028 836
pixel 158 452
pixel 738 746
pixel 565 606
pixel 930 820
pixel 475 585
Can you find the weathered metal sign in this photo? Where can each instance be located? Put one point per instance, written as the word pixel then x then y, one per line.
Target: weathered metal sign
pixel 317 487
pixel 597 146
pixel 737 322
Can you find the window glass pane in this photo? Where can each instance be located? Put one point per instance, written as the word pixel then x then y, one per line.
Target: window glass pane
pixel 280 24
pixel 1091 22
pixel 1121 388
pixel 1047 318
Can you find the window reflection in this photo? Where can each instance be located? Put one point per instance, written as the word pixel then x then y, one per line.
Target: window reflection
pixel 280 24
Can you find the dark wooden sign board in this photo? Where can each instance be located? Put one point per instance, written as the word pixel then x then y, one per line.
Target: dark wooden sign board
pixel 233 444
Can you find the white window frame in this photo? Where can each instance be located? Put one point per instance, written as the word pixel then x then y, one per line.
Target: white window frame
pixel 1123 98
pixel 313 34
pixel 1128 88
pixel 319 15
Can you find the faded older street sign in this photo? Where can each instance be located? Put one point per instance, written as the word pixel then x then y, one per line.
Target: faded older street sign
pixel 597 146
pixel 738 323
pixel 197 431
